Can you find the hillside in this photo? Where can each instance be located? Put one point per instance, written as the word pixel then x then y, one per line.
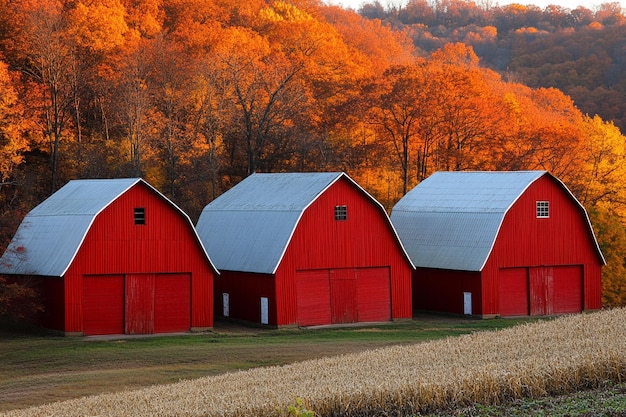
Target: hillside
pixel 580 51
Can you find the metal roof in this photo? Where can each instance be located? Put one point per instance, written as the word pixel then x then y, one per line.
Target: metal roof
pixel 50 235
pixel 249 227
pixel 468 191
pixel 451 219
pixel 275 192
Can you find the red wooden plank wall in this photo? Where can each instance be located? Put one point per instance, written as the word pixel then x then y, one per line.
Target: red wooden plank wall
pixel 527 241
pixel 513 289
pixel 541 291
pixel 313 297
pixel 343 302
pixel 139 304
pixel 245 291
pixel 172 303
pixel 373 294
pixel 52 291
pixel 442 290
pixel 364 240
pixel 103 304
pixel 165 244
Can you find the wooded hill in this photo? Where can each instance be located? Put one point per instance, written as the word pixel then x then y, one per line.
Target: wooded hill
pixel 194 95
pixel 581 51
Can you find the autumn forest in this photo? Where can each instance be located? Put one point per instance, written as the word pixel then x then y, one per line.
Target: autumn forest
pixel 195 95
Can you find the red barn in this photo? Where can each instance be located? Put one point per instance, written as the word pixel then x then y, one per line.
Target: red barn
pixel 305 249
pixel 114 257
pixel 499 244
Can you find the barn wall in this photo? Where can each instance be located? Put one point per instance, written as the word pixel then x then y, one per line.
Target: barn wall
pixel 592 286
pixel 245 290
pixel 73 302
pixel 442 290
pixel 104 304
pixel 202 289
pixel 116 245
pixel 365 239
pixel 526 241
pixel 50 292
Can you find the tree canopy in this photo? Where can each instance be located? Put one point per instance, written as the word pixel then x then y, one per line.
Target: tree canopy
pixel 196 95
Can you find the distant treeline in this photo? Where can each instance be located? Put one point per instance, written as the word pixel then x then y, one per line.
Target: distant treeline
pixel 582 51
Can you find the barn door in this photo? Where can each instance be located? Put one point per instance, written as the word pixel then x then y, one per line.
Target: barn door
pixel 139 304
pixel 513 289
pixel 373 294
pixel 568 289
pixel 313 297
pixel 541 291
pixel 172 303
pixel 344 295
pixel 103 304
pixel 343 301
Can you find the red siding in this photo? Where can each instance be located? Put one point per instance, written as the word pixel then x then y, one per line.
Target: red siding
pixel 165 244
pixel 364 240
pixel 442 290
pixel 373 294
pixel 343 303
pixel 514 297
pixel 313 297
pixel 541 291
pixel 172 303
pixel 568 289
pixel 527 241
pixel 245 291
pixel 139 304
pixel 103 301
pixel 52 293
pixel 345 295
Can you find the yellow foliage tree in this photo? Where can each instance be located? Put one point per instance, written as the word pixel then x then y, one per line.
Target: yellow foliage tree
pixel 602 190
pixel 603 153
pixel 13 141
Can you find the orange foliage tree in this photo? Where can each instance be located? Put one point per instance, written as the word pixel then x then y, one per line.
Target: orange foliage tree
pixel 194 95
pixel 14 141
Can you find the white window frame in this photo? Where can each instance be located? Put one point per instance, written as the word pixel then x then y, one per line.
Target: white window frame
pixel 543 209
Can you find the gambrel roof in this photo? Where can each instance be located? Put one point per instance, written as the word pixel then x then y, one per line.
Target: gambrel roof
pixel 249 227
pixel 51 234
pixel 451 219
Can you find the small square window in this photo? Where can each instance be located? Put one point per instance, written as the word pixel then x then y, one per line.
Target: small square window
pixel 341 212
pixel 140 215
pixel 543 209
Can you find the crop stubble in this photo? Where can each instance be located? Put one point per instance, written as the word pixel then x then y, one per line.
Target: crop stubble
pixel 531 360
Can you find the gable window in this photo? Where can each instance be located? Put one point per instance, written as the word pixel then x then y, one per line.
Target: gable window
pixel 543 209
pixel 140 215
pixel 341 212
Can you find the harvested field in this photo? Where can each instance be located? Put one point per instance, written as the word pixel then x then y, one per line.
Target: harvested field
pixel 532 360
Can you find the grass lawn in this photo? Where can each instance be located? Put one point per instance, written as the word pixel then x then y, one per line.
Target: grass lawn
pixel 39 367
pixel 609 401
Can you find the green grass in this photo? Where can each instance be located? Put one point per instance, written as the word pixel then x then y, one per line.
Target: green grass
pixel 609 401
pixel 39 367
